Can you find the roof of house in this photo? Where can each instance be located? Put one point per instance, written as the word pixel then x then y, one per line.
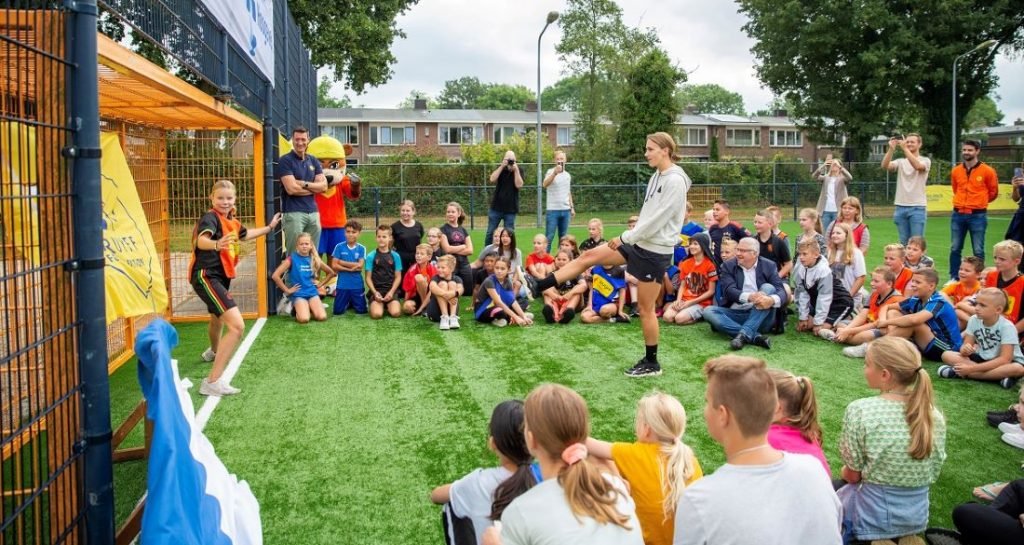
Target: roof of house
pixel 1010 129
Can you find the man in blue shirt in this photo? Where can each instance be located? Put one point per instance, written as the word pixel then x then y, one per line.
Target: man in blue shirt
pixel 927 318
pixel 301 176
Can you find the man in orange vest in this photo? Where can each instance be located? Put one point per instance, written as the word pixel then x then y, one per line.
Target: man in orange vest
pixel 975 184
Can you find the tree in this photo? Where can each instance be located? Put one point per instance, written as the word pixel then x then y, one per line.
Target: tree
pixel 776 105
pixel 352 37
pixel 563 96
pixel 500 96
pixel 648 105
pixel 461 94
pixel 597 47
pixel 409 102
pixel 710 98
pixel 984 113
pixel 863 72
pixel 324 98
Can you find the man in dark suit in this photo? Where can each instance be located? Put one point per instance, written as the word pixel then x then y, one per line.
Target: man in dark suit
pixel 752 293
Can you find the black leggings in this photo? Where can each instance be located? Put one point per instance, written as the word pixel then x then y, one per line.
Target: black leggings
pixel 996 524
pixel 490 315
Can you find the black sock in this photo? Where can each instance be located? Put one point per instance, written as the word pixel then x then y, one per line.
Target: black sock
pixel 652 353
pixel 546 282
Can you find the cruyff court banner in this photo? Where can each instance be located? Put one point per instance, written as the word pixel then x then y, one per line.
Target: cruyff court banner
pixel 133 274
pixel 19 214
pixel 940 198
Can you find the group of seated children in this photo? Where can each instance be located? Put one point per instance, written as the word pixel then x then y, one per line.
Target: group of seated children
pixel 555 483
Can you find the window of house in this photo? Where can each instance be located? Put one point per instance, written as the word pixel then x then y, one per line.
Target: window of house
pixel 785 138
pixel 878 149
pixel 502 134
pixel 392 136
pixel 742 137
pixel 566 136
pixel 461 135
pixel 346 134
pixel 694 137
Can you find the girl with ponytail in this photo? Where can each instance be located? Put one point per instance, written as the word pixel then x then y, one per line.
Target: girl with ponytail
pixel 893 446
pixel 474 501
pixel 795 427
pixel 576 503
pixel 658 466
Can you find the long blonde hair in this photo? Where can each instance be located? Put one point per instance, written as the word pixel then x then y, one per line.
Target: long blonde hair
pixel 665 416
pixel 796 396
pixel 903 361
pixel 557 418
pixel 812 213
pixel 848 246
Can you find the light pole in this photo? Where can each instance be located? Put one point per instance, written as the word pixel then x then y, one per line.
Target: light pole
pixel 552 16
pixel 956 137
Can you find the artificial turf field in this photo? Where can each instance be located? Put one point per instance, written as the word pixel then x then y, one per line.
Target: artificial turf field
pixel 343 427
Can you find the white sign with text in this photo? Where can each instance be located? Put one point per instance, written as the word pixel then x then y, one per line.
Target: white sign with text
pixel 251 24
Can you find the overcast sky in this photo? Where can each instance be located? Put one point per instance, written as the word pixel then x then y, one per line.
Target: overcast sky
pixel 496 41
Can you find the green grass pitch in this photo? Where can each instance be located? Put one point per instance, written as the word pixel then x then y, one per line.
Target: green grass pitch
pixel 343 427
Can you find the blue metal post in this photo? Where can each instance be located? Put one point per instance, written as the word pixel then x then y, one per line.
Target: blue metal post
pixel 87 212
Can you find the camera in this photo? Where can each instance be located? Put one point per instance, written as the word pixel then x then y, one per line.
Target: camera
pixel 511 162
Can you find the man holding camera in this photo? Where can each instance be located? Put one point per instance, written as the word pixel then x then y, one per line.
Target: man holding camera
pixel 559 208
pixel 975 184
pixel 301 177
pixel 911 176
pixel 505 203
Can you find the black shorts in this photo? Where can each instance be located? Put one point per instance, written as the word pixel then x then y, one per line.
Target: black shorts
pixel 643 264
pixel 212 289
pixel 934 350
pixel 838 312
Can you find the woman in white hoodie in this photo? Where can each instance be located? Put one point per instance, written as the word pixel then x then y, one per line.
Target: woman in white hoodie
pixel 647 248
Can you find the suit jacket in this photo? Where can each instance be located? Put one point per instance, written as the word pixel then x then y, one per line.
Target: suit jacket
pixel 730 278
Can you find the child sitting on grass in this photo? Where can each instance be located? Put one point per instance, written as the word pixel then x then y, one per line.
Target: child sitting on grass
pixel 821 299
pixel 474 502
pixel 927 318
pixel 990 349
pixel 864 329
pixel 595 228
pixel 895 259
pixel 496 302
pixel 486 269
pixel 568 243
pixel 347 260
pixel 916 258
pixel 607 296
pixel 562 301
pixel 434 240
pixel 383 273
pixel 846 260
pixel 658 466
pixel 697 280
pixel 1008 278
pixel 689 229
pixel 302 267
pixel 539 263
pixel 795 428
pixel 810 229
pixel 445 289
pixel 961 292
pixel 416 283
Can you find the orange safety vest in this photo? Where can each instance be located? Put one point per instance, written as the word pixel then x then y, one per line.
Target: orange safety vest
pixel 229 256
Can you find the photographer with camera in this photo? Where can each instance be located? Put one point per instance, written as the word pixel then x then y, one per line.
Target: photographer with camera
pixel 559 208
pixel 508 181
pixel 911 176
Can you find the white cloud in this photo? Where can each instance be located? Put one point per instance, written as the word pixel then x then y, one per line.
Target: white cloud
pixel 496 41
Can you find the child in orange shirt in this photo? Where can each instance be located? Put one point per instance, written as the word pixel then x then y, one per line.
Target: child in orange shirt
pixel 861 331
pixel 1008 278
pixel 697 279
pixel 895 254
pixel 658 466
pixel 960 292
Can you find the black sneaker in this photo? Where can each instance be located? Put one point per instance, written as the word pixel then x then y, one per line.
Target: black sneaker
pixel 567 315
pixel 998 417
pixel 549 314
pixel 644 368
pixel 619 319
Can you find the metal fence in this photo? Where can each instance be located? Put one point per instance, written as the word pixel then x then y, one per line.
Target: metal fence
pixel 41 431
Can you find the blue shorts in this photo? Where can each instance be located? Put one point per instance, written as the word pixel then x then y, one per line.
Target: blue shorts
pixel 329 238
pixel 354 298
pixel 935 349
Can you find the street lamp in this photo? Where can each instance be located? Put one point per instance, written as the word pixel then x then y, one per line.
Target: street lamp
pixel 955 137
pixel 552 16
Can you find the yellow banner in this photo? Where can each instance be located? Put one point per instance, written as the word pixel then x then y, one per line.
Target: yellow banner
pixel 134 277
pixel 940 198
pixel 19 212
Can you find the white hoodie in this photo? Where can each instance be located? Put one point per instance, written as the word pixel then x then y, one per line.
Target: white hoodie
pixel 661 217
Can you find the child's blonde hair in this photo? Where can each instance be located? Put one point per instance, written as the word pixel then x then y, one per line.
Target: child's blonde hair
pixel 1011 247
pixel 434 232
pixel 855 202
pixel 813 215
pixel 541 237
pixel 600 224
pixel 634 218
pixel 775 215
pixel 798 402
pixel 997 294
pixel 728 243
pixel 847 249
pixel 426 248
pixel 222 184
pixel 665 416
pixel 896 247
pixel 409 203
pixel 447 259
pixel 903 361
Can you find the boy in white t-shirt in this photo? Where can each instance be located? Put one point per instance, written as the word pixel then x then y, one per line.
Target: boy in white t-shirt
pixel 990 350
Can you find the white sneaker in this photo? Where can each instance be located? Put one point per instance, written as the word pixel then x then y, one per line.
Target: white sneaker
pixel 209 355
pixel 858 351
pixel 1015 439
pixel 445 323
pixel 529 315
pixel 453 322
pixel 1007 427
pixel 500 322
pixel 827 334
pixel 218 388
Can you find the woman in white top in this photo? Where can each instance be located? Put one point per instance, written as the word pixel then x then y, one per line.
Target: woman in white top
pixel 575 503
pixel 834 179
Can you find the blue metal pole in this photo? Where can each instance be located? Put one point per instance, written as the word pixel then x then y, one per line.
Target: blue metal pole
pixel 87 213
